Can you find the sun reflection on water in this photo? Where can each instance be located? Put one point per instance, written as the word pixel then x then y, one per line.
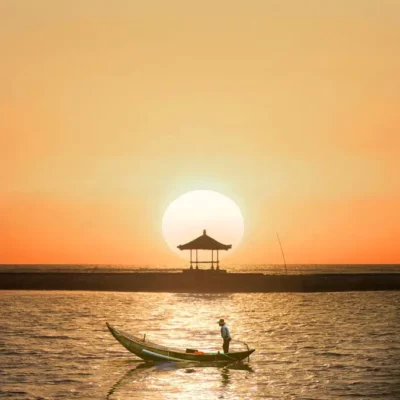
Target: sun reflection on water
pixel 56 345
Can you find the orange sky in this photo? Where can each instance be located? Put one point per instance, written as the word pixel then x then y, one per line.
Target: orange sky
pixel 110 110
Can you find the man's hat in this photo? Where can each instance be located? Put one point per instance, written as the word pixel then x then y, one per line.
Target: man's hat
pixel 221 321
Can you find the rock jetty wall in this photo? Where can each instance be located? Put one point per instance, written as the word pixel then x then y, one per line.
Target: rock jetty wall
pixel 198 282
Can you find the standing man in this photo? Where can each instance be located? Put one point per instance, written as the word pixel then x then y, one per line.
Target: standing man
pixel 225 335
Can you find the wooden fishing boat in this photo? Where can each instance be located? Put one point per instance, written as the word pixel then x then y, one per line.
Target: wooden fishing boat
pixel 149 351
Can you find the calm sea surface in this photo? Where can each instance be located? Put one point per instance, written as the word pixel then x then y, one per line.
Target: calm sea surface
pixel 55 345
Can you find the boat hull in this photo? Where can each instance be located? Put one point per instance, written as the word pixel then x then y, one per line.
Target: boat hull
pixel 151 352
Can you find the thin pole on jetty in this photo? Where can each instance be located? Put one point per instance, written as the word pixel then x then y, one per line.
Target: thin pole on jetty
pixel 283 255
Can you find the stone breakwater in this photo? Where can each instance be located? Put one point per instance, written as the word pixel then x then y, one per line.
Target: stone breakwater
pixel 201 282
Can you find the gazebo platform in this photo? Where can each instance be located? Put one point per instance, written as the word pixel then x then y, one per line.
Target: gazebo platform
pixel 204 271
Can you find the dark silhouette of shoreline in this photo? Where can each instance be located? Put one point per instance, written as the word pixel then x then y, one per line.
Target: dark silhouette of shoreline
pixel 195 281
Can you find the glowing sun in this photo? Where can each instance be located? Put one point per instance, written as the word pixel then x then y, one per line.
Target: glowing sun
pixel 187 216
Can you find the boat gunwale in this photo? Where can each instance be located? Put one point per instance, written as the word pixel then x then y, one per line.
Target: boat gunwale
pixel 146 343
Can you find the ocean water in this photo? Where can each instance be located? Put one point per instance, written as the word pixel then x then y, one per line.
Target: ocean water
pixel 253 268
pixel 55 345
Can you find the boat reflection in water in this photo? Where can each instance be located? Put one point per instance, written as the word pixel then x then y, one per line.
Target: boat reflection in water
pixel 164 365
pixel 143 376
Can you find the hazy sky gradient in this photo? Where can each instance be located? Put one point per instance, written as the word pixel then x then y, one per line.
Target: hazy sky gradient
pixel 109 111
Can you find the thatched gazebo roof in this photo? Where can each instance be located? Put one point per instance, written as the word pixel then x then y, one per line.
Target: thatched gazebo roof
pixel 204 242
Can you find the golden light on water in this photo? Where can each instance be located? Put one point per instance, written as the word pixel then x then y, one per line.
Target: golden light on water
pixel 188 215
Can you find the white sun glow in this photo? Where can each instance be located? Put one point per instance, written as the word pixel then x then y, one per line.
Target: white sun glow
pixel 187 216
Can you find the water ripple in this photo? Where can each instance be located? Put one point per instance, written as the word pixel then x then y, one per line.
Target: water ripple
pixel 326 346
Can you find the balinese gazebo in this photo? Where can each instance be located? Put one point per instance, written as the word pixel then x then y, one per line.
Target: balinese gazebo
pixel 204 242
